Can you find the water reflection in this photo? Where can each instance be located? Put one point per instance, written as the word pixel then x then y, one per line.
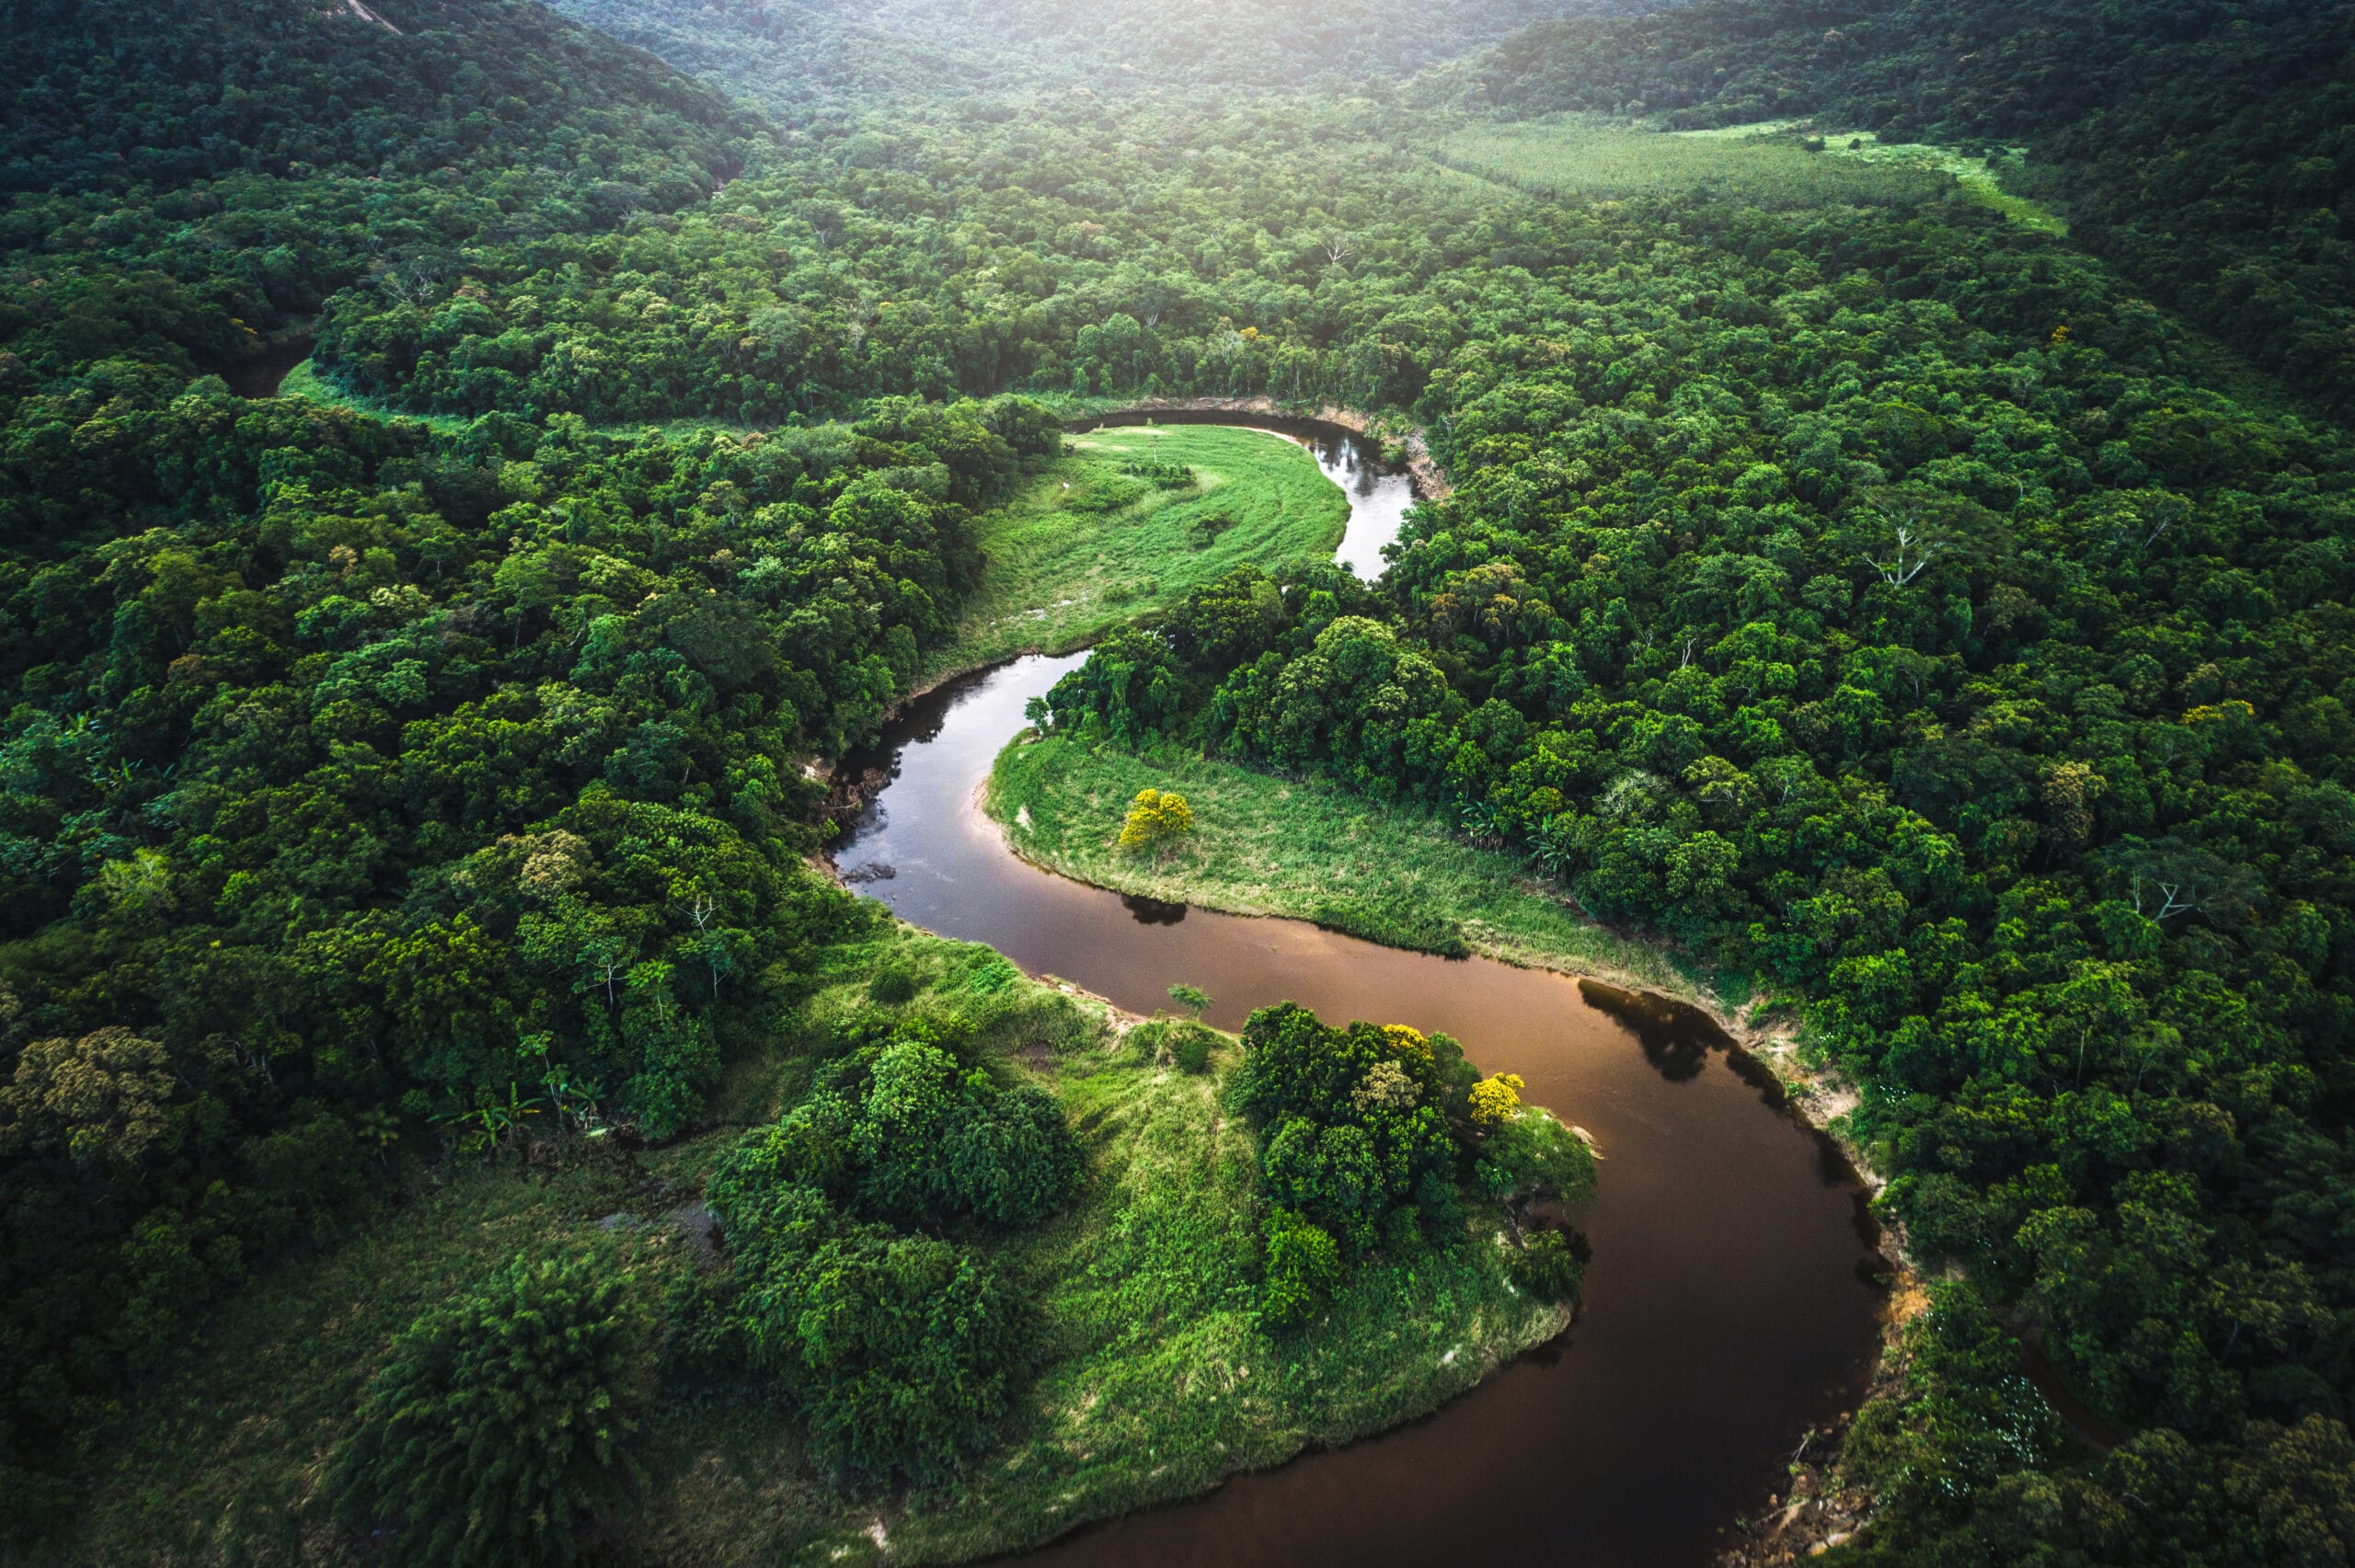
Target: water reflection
pixel 1676 1039
pixel 1151 912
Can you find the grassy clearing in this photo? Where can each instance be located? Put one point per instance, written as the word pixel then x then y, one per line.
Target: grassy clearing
pixel 1588 156
pixel 1972 174
pixel 1267 846
pixel 1155 1383
pixel 1085 548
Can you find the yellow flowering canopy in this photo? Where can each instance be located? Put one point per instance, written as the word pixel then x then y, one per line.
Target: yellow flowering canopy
pixel 1494 1098
pixel 1155 816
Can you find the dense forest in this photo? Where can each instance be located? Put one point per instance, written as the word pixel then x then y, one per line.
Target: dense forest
pixel 2204 149
pixel 1914 609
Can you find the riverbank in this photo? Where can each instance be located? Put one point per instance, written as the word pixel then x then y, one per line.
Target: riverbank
pixel 1304 850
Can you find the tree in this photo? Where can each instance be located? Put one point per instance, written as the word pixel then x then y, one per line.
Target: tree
pixel 1192 997
pixel 503 1422
pixel 902 1350
pixel 1494 1099
pixel 101 1097
pixel 1155 819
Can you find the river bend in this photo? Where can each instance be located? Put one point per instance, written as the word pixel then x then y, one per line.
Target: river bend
pixel 1729 1303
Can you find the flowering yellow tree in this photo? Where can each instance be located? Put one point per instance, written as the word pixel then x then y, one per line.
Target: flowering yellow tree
pixel 1155 816
pixel 1494 1098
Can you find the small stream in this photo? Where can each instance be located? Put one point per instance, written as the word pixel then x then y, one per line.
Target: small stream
pixel 1731 1300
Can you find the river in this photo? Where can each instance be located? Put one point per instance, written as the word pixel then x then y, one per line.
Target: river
pixel 1729 1303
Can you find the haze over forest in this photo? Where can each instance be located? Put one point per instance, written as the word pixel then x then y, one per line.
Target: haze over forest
pixel 486 491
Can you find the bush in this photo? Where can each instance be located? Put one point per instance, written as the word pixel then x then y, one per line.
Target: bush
pixel 892 987
pixel 902 1350
pixel 1494 1099
pixel 933 1143
pixel 500 1425
pixel 1545 1266
pixel 1190 1046
pixel 1332 1172
pixel 1533 1155
pixel 1012 1160
pixel 1155 817
pixel 1304 1265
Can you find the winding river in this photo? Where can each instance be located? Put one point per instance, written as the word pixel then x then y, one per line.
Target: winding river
pixel 1729 1304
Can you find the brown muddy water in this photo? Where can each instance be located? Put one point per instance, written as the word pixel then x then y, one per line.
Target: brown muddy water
pixel 1731 1301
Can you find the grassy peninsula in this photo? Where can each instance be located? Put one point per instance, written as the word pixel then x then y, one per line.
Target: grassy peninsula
pixel 1155 1379
pixel 1091 543
pixel 1264 846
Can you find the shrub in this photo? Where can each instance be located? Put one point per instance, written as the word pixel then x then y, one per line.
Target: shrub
pixel 933 1142
pixel 1013 1160
pixel 1303 1266
pixel 502 1422
pixel 1494 1099
pixel 1331 1172
pixel 810 1145
pixel 902 1132
pixel 1545 1266
pixel 900 1350
pixel 1530 1154
pixel 1190 1046
pixel 892 987
pixel 1155 817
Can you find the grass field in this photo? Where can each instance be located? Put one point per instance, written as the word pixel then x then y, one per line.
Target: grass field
pixel 1156 1380
pixel 1085 548
pixel 1262 845
pixel 1971 174
pixel 1581 155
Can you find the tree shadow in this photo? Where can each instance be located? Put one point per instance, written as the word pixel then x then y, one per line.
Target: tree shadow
pixel 1676 1039
pixel 1151 912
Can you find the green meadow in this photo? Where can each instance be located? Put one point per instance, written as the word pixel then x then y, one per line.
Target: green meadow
pixel 1086 547
pixel 1263 845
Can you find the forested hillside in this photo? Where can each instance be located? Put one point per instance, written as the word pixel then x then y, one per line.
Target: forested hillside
pixel 2208 150
pixel 1842 581
pixel 341 757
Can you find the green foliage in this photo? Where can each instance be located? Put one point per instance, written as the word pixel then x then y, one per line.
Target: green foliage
pixel 1190 1046
pixel 1533 1155
pixel 1590 158
pixel 1353 1122
pixel 1303 1267
pixel 892 987
pixel 503 1422
pixel 1840 579
pixel 2193 145
pixel 900 1351
pixel 1543 1264
pixel 1080 551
